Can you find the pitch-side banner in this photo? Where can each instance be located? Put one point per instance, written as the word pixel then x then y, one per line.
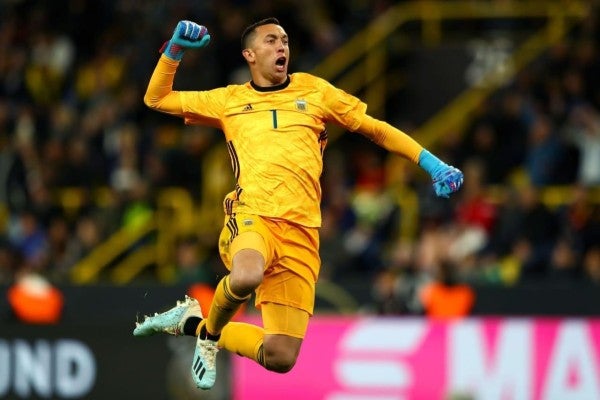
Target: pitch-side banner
pixel 84 362
pixel 414 359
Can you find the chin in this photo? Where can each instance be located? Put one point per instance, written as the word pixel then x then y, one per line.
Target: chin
pixel 280 76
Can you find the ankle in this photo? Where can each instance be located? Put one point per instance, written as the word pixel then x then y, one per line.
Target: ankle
pixel 205 335
pixel 191 325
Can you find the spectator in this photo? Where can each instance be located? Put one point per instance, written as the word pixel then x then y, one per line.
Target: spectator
pixel 62 251
pixel 34 300
pixel 544 152
pixel 52 56
pixel 475 214
pixel 580 219
pixel 29 237
pixel 591 264
pixel 511 119
pixel 86 236
pixel 190 267
pixel 583 129
pixel 9 260
pixel 395 289
pixel 444 297
pixel 482 144
pixel 564 267
pixel 530 222
pixel 372 206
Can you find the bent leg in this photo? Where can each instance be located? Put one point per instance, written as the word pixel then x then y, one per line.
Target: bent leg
pixel 285 327
pixel 250 341
pixel 276 347
pixel 223 307
pixel 233 290
pixel 243 339
pixel 280 352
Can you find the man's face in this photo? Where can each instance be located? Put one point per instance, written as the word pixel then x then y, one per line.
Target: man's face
pixel 268 55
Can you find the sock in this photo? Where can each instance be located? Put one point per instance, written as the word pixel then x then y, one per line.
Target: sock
pixel 190 326
pixel 203 333
pixel 244 339
pixel 224 305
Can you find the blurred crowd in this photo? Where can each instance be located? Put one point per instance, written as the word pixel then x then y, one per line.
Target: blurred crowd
pixel 539 133
pixel 81 156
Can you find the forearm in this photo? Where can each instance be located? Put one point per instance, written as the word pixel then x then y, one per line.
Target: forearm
pixel 159 94
pixel 390 138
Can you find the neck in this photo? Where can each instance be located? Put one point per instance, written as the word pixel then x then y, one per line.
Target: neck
pixel 270 86
pixel 265 80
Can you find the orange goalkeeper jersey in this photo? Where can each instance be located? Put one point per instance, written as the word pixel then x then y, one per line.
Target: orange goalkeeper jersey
pixel 276 137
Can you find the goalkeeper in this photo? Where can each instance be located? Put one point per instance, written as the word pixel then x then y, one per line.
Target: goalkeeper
pixel 275 132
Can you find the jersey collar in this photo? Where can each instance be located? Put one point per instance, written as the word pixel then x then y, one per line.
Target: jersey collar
pixel 271 88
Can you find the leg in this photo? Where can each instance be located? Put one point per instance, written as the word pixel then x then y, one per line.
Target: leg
pixel 280 352
pixel 233 290
pixel 247 268
pixel 277 346
pixel 286 297
pixel 285 327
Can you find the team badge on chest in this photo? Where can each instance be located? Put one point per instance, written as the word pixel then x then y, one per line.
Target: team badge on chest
pixel 301 105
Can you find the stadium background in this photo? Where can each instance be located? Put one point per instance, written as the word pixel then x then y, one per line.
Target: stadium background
pixel 118 207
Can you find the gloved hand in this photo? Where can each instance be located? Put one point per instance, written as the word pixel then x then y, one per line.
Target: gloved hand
pixel 446 178
pixel 187 34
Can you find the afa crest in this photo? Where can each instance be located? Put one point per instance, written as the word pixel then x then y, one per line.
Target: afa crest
pixel 301 105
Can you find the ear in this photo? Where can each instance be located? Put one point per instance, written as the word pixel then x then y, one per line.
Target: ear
pixel 248 55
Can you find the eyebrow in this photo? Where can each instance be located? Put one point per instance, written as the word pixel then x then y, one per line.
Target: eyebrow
pixel 273 36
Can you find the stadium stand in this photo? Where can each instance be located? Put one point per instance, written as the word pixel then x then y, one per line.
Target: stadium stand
pixel 95 188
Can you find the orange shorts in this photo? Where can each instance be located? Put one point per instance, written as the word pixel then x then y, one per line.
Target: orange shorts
pixel 291 253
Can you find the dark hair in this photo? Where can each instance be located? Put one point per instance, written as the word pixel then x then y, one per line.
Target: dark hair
pixel 249 31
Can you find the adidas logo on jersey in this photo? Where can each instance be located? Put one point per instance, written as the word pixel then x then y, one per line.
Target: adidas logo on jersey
pixel 248 107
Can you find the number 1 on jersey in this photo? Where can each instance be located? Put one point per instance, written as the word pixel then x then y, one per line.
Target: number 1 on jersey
pixel 274 112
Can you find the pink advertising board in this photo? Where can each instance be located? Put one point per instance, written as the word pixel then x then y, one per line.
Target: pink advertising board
pixel 345 358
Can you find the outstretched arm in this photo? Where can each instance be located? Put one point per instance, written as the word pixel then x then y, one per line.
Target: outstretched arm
pixel 159 94
pixel 390 138
pixel 446 179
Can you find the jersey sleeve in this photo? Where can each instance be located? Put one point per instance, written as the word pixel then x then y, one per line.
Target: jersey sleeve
pixel 160 95
pixel 390 138
pixel 196 107
pixel 342 108
pixel 204 107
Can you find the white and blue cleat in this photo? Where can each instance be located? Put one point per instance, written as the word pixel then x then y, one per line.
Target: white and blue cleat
pixel 204 364
pixel 171 321
pixel 204 370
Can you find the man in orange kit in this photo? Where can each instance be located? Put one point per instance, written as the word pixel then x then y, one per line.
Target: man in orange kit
pixel 275 132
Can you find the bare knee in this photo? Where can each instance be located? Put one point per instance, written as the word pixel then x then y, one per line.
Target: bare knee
pixel 246 272
pixel 278 361
pixel 281 352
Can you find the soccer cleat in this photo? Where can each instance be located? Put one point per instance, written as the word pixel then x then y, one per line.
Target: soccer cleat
pixel 171 321
pixel 204 364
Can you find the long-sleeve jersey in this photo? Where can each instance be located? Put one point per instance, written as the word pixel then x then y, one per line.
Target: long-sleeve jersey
pixel 275 136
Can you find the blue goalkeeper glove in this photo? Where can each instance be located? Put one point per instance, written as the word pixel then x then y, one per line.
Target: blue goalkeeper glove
pixel 446 179
pixel 187 35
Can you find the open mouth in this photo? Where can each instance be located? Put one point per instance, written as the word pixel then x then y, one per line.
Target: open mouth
pixel 280 63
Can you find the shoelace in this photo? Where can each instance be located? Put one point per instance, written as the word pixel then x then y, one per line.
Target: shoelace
pixel 208 351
